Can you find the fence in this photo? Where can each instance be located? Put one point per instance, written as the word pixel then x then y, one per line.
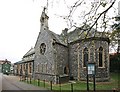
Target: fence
pixel 68 87
pixel 43 83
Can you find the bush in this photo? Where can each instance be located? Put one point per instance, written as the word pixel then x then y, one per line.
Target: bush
pixel 115 63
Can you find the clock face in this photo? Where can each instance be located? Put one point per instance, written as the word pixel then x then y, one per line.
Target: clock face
pixel 42 48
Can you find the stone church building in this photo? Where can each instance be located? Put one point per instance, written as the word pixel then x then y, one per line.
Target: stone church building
pixel 65 56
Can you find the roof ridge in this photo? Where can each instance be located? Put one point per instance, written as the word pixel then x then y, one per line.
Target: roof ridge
pixel 29 51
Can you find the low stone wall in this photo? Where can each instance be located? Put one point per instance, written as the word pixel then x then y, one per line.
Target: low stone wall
pixel 96 79
pixel 50 77
pixel 63 79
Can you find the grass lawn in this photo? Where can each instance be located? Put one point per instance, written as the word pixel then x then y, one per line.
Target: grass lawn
pixel 81 85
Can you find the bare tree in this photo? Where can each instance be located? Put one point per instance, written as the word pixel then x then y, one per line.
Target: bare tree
pixel 94 13
pixel 89 13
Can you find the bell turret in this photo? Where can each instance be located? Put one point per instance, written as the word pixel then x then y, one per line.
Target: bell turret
pixel 44 20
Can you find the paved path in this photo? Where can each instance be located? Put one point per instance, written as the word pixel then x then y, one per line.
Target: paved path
pixel 0 82
pixel 12 83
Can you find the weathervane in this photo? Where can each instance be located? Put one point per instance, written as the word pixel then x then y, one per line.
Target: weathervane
pixel 119 8
pixel 45 8
pixel 47 4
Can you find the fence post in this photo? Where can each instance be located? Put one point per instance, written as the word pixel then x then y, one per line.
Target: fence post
pixel 27 79
pixel 51 85
pixel 34 81
pixel 60 84
pixel 44 83
pixel 94 82
pixel 30 79
pixel 38 82
pixel 87 82
pixel 71 87
pixel 20 78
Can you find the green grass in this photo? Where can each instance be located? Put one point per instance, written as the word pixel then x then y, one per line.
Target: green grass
pixel 113 83
pixel 81 85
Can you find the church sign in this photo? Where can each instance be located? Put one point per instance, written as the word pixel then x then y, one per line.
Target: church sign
pixel 91 71
pixel 91 68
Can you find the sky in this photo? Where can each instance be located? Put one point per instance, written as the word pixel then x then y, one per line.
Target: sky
pixel 20 25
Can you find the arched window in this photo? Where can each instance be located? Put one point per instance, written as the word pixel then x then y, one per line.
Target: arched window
pixel 65 70
pixel 100 57
pixel 42 48
pixel 85 57
pixel 27 66
pixel 30 68
pixel 21 67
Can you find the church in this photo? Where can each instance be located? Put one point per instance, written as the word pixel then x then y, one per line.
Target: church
pixel 59 58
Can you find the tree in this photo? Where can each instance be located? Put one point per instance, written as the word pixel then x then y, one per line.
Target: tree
pixel 80 13
pixel 115 36
pixel 94 13
pixel 86 14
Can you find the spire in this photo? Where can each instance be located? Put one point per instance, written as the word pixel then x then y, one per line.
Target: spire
pixel 44 19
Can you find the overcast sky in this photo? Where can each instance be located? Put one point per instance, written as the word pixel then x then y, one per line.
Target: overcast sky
pixel 20 25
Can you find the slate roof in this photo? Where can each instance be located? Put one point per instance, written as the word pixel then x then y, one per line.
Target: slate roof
pixel 18 62
pixel 80 33
pixel 77 34
pixel 1 61
pixel 31 51
pixel 4 61
pixel 57 38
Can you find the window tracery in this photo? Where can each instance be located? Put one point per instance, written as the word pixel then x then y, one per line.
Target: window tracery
pixel 42 48
pixel 100 57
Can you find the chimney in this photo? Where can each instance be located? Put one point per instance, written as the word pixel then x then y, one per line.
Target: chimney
pixel 64 32
pixel 6 60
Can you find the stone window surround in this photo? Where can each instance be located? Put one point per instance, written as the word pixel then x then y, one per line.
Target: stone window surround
pixel 83 56
pixel 42 48
pixel 30 67
pixel 41 66
pixel 103 66
pixel 66 70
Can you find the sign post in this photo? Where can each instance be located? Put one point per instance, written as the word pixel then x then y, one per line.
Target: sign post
pixel 87 82
pixel 90 71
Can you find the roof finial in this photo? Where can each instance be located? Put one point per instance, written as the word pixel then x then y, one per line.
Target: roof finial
pixel 47 7
pixel 45 10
